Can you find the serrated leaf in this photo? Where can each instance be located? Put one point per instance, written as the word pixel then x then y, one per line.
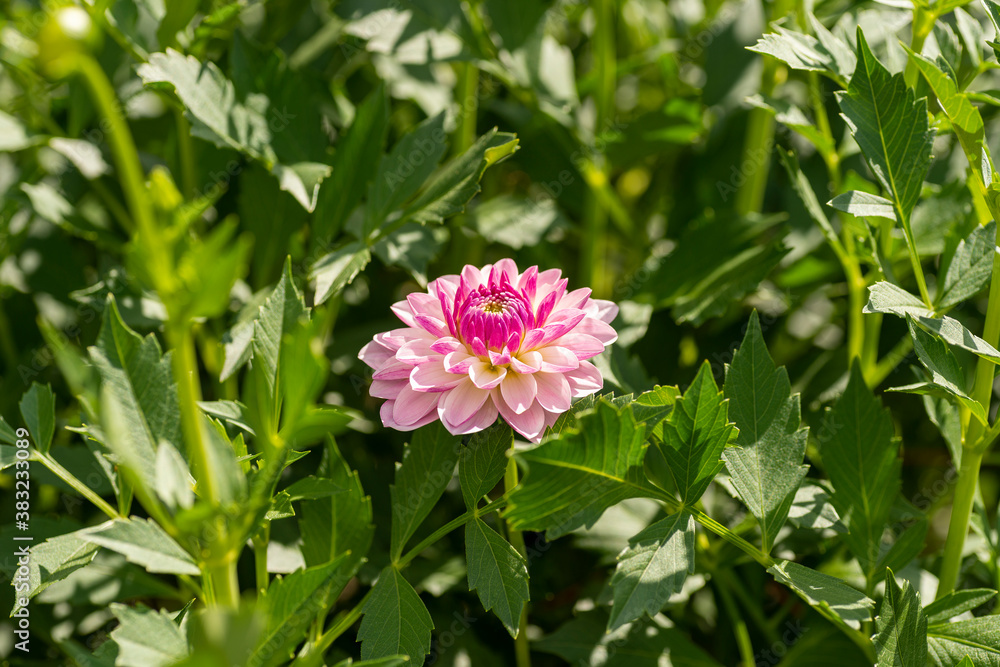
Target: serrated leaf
pixel 957 602
pixel 147 638
pixel 877 106
pixel 652 568
pixel 278 316
pixel 354 164
pixel 901 639
pixel 144 543
pixel 799 51
pixel 53 560
pixel 977 639
pixel 38 408
pixel 336 270
pixel 458 181
pixel 428 465
pixel 290 606
pixel 497 572
pixel 139 380
pixel 850 605
pixel 970 267
pixel 584 640
pixel 863 204
pixel 860 455
pixel 576 475
pixel 395 621
pixel 765 465
pixel 483 462
pixel 694 436
pixel 812 509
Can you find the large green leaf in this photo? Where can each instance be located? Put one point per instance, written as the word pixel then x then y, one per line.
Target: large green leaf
pixel 694 436
pixel 891 128
pixel 970 267
pixel 860 455
pixel 497 572
pixel 483 462
pixel 292 603
pixel 957 602
pixel 137 377
pixel 585 469
pixel 765 466
pixel 428 465
pixel 53 560
pixel 901 640
pixel 851 606
pixel 147 638
pixel 144 543
pixel 334 271
pixel 652 568
pixel 395 621
pixel 825 53
pixel 38 407
pixel 978 638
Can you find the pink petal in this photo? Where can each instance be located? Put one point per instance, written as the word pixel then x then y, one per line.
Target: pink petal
pixel 518 391
pixel 545 308
pixel 499 358
pixel 553 391
pixel 528 283
pixel 575 299
pixel 447 344
pixel 432 376
pixel 507 267
pixel 530 423
pixel 462 402
pixel 459 362
pixel 416 352
pixel 527 362
pixel 404 313
pixel 605 311
pixel 472 277
pixel 393 370
pixel 484 418
pixel 558 359
pixel 386 388
pixel 412 406
pixel 424 303
pixel 554 329
pixel 375 354
pixel 431 324
pixel 485 375
pixel 387 420
pixel 599 329
pixel 585 380
pixel 582 345
pixel 479 347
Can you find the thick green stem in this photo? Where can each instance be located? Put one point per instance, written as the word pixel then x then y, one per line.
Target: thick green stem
pixel 522 652
pixel 923 23
pixel 961 511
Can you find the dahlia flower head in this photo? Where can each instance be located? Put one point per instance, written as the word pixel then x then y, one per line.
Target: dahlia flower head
pixel 490 341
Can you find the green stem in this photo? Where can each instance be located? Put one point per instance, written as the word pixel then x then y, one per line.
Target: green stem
pixel 68 477
pixel 961 511
pixel 923 23
pixel 457 522
pixel 892 359
pixel 731 537
pixel 739 625
pixel 260 541
pixel 750 605
pixel 522 652
pixel 757 147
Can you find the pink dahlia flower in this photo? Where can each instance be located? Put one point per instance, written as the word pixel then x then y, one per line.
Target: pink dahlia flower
pixel 491 341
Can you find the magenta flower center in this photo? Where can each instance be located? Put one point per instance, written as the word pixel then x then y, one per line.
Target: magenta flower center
pixel 498 315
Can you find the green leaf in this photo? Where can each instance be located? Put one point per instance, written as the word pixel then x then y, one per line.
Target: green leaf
pixel 516 222
pixel 389 661
pixel 7 434
pixel 860 455
pixel 993 11
pixel 38 408
pixel 428 465
pixel 147 638
pixel 979 639
pixel 850 605
pixel 946 373
pixel 790 115
pixel 877 106
pixel 291 605
pixel 970 268
pixel 827 55
pixel 884 297
pixel 209 269
pixel 802 187
pixel 138 379
pixel 53 560
pixel 483 462
pixel 694 436
pixel 812 509
pixel 338 523
pixel 395 621
pixel 901 640
pixel 585 469
pixel 765 466
pixel 354 164
pixel 338 269
pixel 585 641
pixel 174 483
pixel 652 568
pixel 278 316
pixel 957 602
pixel 404 170
pixel 863 205
pixel 144 543
pixel 458 181
pixel 497 572
pixel 13 134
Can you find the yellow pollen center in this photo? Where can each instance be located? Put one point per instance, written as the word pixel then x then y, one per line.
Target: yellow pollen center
pixel 492 307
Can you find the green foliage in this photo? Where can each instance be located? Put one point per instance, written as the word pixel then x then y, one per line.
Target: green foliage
pixel 902 626
pixel 395 620
pixel 498 573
